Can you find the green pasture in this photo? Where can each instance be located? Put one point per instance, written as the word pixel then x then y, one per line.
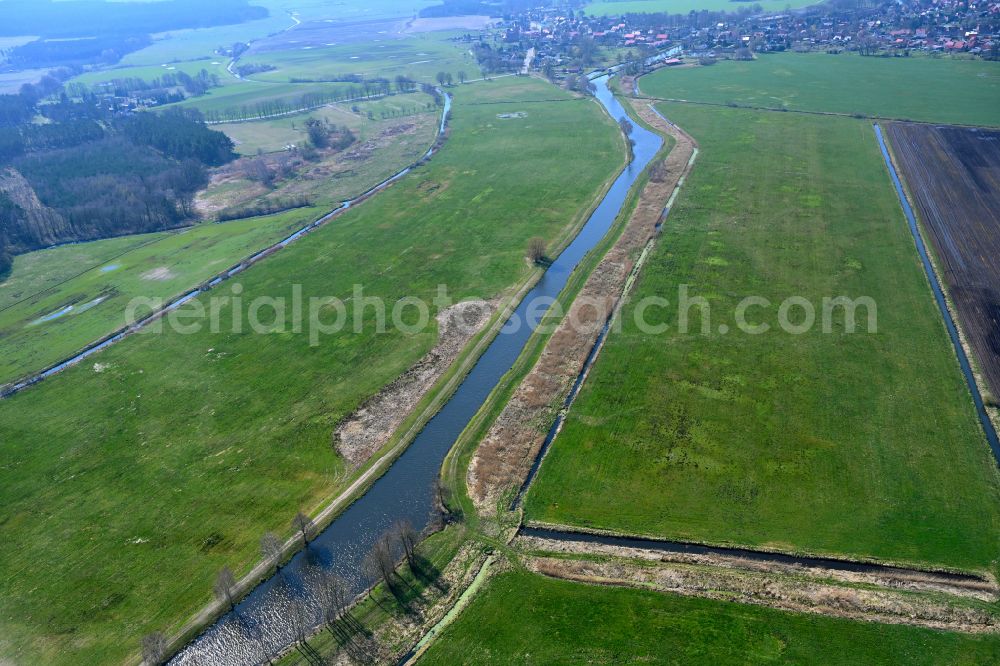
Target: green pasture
pixel 862 444
pixel 99 279
pixel 245 95
pixel 149 72
pixel 275 134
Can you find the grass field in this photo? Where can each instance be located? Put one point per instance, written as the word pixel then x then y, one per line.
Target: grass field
pixel 273 135
pixel 622 7
pixel 419 57
pixel 188 447
pixel 859 444
pixel 941 90
pixel 953 177
pixel 156 266
pixel 520 618
pixel 191 44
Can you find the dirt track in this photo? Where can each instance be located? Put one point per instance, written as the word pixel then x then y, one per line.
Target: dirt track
pixel 953 175
pixel 505 456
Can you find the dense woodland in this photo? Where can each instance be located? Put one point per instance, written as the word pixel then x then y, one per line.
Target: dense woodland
pixel 85 174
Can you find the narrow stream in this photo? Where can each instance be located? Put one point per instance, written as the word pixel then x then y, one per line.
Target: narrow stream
pixel 963 359
pixel 260 624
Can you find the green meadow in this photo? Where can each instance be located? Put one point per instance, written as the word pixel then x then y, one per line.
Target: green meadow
pixel 521 618
pixel 622 7
pixel 238 95
pixel 125 486
pixel 860 444
pixel 98 289
pixel 944 90
pixel 419 57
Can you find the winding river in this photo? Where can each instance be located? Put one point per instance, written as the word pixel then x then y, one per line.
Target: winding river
pixel 260 624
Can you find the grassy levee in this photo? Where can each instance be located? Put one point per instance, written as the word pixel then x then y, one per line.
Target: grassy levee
pixel 521 618
pixel 156 266
pixel 188 447
pixel 864 445
pixel 941 90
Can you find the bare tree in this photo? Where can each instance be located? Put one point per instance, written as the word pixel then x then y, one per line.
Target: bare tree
pixel 536 250
pixel 659 172
pixel 407 537
pixel 271 548
pixel 304 525
pixel 225 586
pixel 154 648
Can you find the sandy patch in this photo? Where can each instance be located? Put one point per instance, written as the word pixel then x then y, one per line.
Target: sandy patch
pixel 368 429
pixel 160 274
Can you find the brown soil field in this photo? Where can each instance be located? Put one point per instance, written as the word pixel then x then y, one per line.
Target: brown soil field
pixel 504 458
pixel 953 177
